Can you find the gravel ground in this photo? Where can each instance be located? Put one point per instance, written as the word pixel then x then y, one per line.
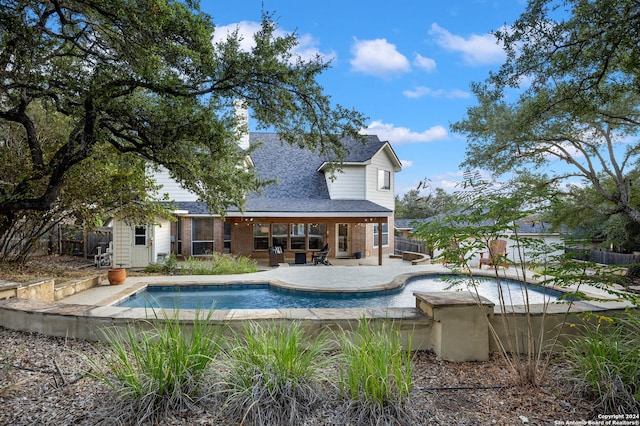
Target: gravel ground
pixel 42 382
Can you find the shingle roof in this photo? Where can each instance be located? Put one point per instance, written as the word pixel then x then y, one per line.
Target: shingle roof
pixel 287 205
pixel 300 187
pixel 296 168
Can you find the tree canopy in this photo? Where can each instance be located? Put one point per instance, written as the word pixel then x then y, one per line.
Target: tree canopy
pixel 413 205
pixel 565 104
pixel 91 89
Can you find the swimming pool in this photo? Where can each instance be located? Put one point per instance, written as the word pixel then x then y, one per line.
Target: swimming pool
pixel 265 296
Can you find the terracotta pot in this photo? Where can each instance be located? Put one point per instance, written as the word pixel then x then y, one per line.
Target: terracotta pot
pixel 117 276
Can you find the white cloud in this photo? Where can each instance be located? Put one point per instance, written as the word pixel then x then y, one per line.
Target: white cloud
pixel 406 163
pixel 476 49
pixel 403 135
pixel 378 57
pixel 307 47
pixel 424 63
pixel 421 91
pixel 449 181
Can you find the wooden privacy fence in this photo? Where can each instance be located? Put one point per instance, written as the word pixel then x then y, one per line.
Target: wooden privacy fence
pixel 404 244
pixel 75 241
pixel 604 257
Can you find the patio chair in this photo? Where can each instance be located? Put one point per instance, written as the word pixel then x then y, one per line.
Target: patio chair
pixel 497 254
pixel 103 259
pixel 321 256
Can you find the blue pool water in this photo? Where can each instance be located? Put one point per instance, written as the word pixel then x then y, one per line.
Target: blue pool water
pixel 264 296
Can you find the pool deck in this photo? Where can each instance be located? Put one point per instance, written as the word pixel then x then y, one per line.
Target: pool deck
pixel 450 323
pixel 343 276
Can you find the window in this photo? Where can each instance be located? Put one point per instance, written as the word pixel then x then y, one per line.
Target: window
pixel 384 179
pixel 385 234
pixel 260 236
pixel 280 235
pixel 140 235
pixel 227 237
pixel 316 236
pixel 289 236
pixel 298 236
pixel 179 236
pixel 201 236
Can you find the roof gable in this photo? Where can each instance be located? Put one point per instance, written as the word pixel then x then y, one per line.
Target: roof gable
pixel 298 171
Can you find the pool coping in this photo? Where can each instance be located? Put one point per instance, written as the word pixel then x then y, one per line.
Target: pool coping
pixel 397 282
pixel 441 326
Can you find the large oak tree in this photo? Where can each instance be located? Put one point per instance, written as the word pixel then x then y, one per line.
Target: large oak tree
pixel 565 105
pixel 134 82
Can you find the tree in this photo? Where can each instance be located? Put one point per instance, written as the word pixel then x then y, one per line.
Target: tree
pixel 413 205
pixel 617 231
pixel 579 117
pixel 142 80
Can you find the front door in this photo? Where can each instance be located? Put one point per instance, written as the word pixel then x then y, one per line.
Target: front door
pixel 344 240
pixel 141 250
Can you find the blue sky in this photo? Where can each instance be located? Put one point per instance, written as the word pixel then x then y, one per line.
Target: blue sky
pixel 407 65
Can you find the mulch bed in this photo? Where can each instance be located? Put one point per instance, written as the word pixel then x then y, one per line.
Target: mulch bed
pixel 42 381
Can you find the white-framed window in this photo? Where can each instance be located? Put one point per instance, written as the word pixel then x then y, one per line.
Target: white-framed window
pixel 384 179
pixel 385 234
pixel 202 236
pixel 140 235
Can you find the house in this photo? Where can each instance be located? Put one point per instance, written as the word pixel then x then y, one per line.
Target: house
pixel 524 228
pixel 350 210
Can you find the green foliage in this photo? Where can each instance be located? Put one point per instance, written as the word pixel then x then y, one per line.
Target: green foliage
pixel 215 264
pixel 375 374
pixel 413 205
pixel 158 369
pixel 274 373
pixel 142 80
pixel 617 229
pixel 219 264
pixel 170 264
pixel 606 364
pixel 489 212
pixel 576 119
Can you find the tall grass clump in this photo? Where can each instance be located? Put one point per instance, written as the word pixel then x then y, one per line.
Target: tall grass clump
pixel 274 374
pixel 606 364
pixel 157 369
pixel 219 264
pixel 375 376
pixel 526 334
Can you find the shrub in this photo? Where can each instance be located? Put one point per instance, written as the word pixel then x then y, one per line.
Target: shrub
pixel 219 264
pixel 154 268
pixel 274 373
pixel 606 364
pixel 216 264
pixel 158 369
pixel 171 264
pixel 375 375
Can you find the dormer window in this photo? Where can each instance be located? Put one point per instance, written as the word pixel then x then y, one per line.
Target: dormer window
pixel 384 179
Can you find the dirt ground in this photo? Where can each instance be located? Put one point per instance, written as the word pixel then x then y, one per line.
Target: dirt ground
pixel 62 268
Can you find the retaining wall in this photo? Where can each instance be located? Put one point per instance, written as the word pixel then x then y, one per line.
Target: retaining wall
pixel 455 327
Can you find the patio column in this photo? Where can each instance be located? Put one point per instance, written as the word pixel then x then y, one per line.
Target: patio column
pixel 380 241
